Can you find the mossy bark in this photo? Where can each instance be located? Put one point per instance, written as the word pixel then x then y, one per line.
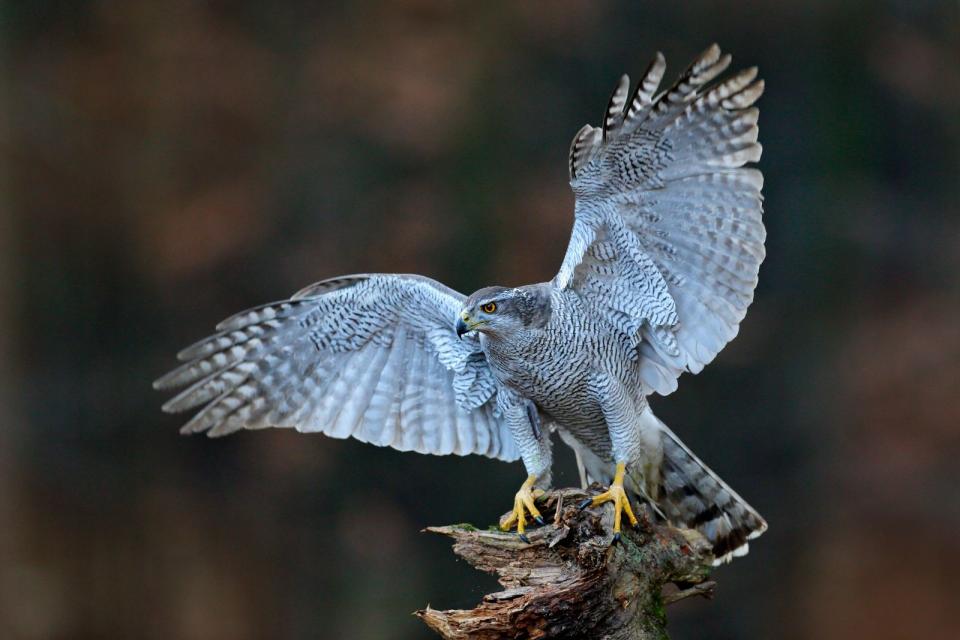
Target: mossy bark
pixel 571 580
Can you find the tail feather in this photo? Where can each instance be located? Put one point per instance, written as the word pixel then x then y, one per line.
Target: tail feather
pixel 679 488
pixel 692 495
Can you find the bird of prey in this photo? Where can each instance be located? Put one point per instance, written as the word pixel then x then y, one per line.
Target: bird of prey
pixel 661 266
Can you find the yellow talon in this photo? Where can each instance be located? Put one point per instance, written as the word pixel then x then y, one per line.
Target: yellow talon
pixel 522 502
pixel 618 497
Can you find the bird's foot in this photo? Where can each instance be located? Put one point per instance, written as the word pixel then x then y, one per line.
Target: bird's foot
pixel 523 505
pixel 621 504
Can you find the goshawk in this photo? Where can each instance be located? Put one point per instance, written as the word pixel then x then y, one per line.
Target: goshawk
pixel 661 266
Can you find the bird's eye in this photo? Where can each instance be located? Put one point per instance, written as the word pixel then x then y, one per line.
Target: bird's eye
pixel 490 307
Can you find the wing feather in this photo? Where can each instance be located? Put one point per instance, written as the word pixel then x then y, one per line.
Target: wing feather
pixel 647 87
pixel 671 172
pixel 371 356
pixel 377 415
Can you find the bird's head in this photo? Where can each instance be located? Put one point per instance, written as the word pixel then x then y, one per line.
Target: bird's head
pixel 501 311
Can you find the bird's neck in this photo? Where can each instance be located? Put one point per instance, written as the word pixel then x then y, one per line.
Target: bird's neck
pixel 509 348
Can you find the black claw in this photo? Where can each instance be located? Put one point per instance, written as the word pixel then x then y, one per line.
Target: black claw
pixel 524 538
pixel 616 538
pixel 539 520
pixel 585 504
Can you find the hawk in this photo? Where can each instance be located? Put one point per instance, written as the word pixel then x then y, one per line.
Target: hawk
pixel 661 266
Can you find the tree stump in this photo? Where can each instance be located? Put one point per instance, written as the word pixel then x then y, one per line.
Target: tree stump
pixel 571 580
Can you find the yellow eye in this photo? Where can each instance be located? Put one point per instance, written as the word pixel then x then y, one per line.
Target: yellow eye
pixel 490 307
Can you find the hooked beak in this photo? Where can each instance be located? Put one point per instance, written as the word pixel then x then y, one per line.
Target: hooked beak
pixel 462 327
pixel 466 325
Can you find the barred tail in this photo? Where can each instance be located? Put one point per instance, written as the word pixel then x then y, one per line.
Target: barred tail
pixel 679 487
pixel 691 495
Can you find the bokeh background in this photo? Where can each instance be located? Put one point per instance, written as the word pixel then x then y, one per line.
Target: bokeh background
pixel 165 164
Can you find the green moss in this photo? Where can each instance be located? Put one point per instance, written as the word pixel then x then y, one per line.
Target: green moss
pixel 656 613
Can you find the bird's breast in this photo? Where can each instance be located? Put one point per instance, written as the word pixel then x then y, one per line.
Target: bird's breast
pixel 551 368
pixel 554 366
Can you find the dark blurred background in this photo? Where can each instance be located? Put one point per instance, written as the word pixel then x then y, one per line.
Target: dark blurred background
pixel 167 164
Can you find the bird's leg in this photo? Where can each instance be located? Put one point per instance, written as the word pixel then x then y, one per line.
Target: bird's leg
pixel 618 496
pixel 523 420
pixel 522 504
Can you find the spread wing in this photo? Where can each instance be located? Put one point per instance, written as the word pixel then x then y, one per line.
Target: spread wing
pixel 375 357
pixel 668 236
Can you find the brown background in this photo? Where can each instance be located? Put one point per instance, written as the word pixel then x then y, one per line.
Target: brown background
pixel 165 164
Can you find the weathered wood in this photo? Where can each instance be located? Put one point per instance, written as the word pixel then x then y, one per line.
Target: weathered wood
pixel 571 580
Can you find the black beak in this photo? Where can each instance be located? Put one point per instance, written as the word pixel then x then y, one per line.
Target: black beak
pixel 461 327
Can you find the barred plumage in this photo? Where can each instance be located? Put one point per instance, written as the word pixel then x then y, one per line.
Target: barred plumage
pixel 662 263
pixel 371 356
